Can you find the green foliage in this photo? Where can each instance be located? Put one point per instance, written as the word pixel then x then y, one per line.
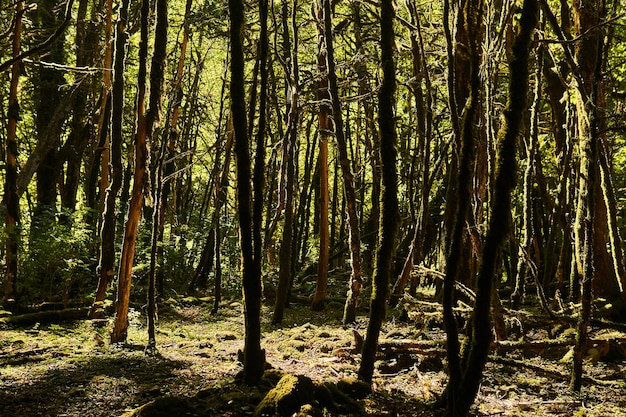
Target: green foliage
pixel 60 259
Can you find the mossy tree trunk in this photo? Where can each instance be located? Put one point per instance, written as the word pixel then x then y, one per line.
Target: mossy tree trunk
pixel 319 298
pixel 113 155
pixel 105 270
pixel 588 56
pixel 290 145
pixel 354 231
pixel 389 214
pixel 499 222
pixel 459 201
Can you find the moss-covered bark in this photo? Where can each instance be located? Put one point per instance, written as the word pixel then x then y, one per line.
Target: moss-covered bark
pixel 389 215
pixel 461 398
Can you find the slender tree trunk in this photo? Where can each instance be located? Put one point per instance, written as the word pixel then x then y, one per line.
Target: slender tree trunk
pixel 290 145
pixel 459 202
pixel 11 197
pixel 105 270
pixel 157 76
pixel 354 236
pixel 389 212
pixel 140 182
pixel 254 356
pixel 323 131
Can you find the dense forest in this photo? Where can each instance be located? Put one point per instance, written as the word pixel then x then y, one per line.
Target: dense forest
pixel 287 202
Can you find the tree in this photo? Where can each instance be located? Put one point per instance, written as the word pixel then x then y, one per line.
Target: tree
pixel 323 133
pixel 461 396
pixel 11 196
pixel 389 214
pixel 254 356
pixel 157 76
pixel 354 231
pixel 105 269
pixel 290 140
pixel 140 185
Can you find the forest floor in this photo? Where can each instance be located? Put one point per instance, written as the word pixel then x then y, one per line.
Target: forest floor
pixel 70 369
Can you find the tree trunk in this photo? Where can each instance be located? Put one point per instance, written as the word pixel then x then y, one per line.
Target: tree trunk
pixel 140 183
pixel 354 236
pixel 11 197
pixel 157 76
pixel 105 270
pixel 499 222
pixel 323 131
pixel 254 356
pixel 588 55
pixel 389 212
pixel 289 155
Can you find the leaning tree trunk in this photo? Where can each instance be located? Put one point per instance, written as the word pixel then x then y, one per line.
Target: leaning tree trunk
pixel 499 222
pixel 455 232
pixel 140 182
pixel 254 356
pixel 389 213
pixel 11 197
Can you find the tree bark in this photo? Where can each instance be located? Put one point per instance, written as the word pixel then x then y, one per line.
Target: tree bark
pixel 140 182
pixel 289 155
pixel 11 196
pixel 389 212
pixel 323 132
pixel 254 356
pixel 499 222
pixel 105 270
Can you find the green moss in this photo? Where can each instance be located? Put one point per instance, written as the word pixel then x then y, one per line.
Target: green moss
pixel 291 392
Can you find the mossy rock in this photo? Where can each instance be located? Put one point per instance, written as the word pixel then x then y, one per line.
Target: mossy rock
pixel 289 395
pixel 164 407
pixel 354 388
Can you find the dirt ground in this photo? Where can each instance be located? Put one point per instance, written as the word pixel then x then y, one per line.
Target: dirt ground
pixel 71 370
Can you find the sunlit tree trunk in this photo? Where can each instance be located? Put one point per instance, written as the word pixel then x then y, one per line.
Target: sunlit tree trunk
pixel 323 132
pixel 113 155
pixel 389 213
pixel 588 239
pixel 140 182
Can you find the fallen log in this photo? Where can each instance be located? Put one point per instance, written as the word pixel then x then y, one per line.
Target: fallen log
pixel 45 317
